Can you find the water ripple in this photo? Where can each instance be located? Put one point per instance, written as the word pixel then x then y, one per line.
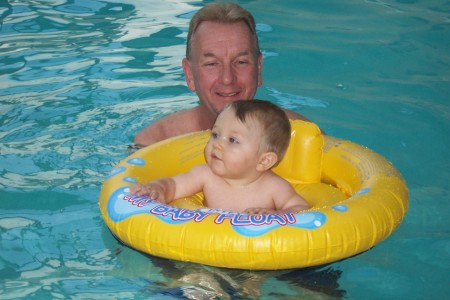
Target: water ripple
pixel 78 79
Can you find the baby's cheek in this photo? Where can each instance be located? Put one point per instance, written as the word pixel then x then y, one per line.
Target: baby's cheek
pixel 207 151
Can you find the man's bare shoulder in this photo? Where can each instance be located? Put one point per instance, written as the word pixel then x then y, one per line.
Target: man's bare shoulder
pixel 295 116
pixel 177 123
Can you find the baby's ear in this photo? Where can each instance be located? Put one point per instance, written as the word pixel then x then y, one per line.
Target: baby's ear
pixel 267 161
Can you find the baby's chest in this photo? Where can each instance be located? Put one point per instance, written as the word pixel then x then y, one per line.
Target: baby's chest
pixel 237 200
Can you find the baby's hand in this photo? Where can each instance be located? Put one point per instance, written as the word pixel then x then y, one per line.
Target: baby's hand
pixel 154 191
pixel 259 211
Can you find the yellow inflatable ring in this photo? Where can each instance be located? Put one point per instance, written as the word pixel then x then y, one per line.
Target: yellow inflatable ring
pixel 358 199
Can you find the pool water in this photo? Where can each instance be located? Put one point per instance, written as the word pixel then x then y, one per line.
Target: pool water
pixel 78 79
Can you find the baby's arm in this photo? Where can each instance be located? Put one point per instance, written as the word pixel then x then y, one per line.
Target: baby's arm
pixel 260 211
pixel 288 201
pixel 294 205
pixel 285 198
pixel 169 188
pixel 162 190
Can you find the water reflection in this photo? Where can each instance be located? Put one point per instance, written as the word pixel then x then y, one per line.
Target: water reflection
pixel 202 282
pixel 66 69
pixel 195 281
pixel 78 80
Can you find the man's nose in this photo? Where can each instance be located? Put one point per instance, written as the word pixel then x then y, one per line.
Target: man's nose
pixel 227 76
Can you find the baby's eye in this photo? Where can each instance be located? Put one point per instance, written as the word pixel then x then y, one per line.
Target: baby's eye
pixel 214 135
pixel 233 140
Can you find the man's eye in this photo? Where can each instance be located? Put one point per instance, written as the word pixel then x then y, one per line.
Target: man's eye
pixel 241 62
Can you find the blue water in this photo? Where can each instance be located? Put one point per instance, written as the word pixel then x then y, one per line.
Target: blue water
pixel 78 79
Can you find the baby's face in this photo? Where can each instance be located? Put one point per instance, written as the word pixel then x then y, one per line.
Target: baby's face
pixel 234 148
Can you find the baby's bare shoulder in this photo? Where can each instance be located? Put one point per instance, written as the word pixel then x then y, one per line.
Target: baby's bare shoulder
pixel 273 178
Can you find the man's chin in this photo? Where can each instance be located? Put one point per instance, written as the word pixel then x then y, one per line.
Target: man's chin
pixel 224 102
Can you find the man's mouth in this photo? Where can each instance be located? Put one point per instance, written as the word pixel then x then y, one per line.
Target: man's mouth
pixel 228 94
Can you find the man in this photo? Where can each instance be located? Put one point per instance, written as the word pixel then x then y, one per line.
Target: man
pixel 223 63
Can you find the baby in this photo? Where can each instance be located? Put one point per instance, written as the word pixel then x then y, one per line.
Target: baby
pixel 247 140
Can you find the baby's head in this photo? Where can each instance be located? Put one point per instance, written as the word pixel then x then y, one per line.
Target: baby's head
pixel 273 120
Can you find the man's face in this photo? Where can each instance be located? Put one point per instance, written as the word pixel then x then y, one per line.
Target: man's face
pixel 224 65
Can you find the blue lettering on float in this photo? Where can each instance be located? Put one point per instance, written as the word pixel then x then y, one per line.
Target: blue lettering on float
pixel 258 219
pixel 175 215
pixel 225 216
pixel 305 220
pixel 241 220
pixel 121 205
pixel 181 214
pixel 281 219
pixel 160 210
pixel 290 218
pixel 174 212
pixel 186 214
pixel 200 215
pixel 139 201
pixel 238 219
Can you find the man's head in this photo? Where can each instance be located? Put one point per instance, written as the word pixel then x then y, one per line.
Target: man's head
pixel 223 62
pixel 226 13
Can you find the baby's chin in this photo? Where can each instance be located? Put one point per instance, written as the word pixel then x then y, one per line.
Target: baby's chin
pixel 216 171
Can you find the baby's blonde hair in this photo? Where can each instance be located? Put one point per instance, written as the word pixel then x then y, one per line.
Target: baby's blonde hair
pixel 275 124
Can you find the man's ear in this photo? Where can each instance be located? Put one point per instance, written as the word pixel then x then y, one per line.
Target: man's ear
pixel 260 64
pixel 267 161
pixel 188 74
